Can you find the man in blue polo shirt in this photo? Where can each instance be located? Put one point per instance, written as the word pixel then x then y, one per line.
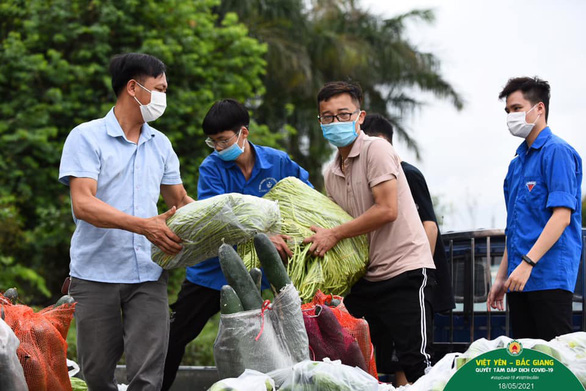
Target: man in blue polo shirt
pixel 115 168
pixel 543 198
pixel 236 166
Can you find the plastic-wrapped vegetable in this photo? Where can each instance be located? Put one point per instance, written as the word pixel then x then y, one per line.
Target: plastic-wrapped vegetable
pixel 250 380
pixel 227 218
pixel 325 376
pixel 11 373
pixel 570 349
pixel 301 207
pixel 253 335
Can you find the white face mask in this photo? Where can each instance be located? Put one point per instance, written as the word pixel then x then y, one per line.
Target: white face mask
pixel 518 125
pixel 155 108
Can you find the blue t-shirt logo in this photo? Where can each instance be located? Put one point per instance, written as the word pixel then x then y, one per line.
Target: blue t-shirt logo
pixel 530 185
pixel 266 184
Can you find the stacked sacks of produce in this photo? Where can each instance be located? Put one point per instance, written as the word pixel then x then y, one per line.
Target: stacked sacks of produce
pixel 254 334
pixel 305 376
pixel 334 333
pixel 227 218
pixel 11 374
pixel 302 207
pixel 43 347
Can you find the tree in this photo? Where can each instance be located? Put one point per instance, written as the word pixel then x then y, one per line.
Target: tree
pixel 53 76
pixel 310 43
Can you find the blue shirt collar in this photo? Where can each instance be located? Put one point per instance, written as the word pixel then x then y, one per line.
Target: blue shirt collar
pixel 114 129
pixel 542 137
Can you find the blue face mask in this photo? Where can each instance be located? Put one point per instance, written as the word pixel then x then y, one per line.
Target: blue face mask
pixel 340 134
pixel 232 152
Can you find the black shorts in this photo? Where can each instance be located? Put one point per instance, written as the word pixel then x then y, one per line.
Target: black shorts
pixel 399 314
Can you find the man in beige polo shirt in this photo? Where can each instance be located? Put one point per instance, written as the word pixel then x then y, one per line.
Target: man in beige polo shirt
pixel 367 181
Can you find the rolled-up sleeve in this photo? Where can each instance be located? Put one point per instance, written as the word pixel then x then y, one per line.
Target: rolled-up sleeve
pixel 562 169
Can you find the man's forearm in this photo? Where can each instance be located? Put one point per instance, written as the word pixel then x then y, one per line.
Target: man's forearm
pixel 375 217
pixel 98 213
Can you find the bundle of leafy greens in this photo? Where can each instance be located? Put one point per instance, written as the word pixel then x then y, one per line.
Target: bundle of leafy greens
pixel 302 207
pixel 227 218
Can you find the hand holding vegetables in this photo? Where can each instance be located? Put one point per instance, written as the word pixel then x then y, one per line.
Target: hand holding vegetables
pixel 158 233
pixel 322 241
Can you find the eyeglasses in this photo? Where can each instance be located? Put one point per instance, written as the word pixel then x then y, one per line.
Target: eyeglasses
pixel 341 117
pixel 224 143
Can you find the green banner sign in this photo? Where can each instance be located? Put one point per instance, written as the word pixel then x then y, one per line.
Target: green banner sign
pixel 514 368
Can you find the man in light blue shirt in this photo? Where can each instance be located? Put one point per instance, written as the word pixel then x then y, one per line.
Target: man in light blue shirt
pixel 116 167
pixel 544 218
pixel 235 166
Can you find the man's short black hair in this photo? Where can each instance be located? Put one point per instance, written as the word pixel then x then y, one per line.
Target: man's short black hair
pixel 225 114
pixel 335 88
pixel 125 67
pixel 377 125
pixel 533 89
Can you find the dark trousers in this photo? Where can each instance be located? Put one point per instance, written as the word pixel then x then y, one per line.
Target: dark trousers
pixel 195 305
pixel 540 314
pixel 399 312
pixel 112 319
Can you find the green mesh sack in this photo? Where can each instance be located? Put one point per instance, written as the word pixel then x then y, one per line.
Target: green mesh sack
pixel 301 207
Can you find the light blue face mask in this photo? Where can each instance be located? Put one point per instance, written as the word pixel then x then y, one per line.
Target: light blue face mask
pixel 340 134
pixel 232 152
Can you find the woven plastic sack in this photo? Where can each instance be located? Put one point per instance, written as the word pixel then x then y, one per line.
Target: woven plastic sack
pixel 227 218
pixel 327 339
pixel 43 347
pixel 265 339
pixel 357 328
pixel 302 207
pixel 325 375
pixel 11 373
pixel 250 380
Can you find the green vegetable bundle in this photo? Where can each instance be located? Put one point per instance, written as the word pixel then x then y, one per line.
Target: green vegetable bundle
pixel 301 207
pixel 204 225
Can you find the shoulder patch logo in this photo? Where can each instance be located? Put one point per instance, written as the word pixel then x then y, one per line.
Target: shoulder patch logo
pixel 530 185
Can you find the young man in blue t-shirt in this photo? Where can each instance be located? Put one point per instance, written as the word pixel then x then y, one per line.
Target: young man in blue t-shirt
pixel 235 166
pixel 543 198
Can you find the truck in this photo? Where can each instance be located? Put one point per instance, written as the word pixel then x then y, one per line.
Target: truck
pixel 474 258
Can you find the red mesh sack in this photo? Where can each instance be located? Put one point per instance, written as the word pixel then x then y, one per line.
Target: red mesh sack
pixel 357 328
pixel 43 347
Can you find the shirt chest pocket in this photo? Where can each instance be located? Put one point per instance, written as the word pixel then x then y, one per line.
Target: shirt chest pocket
pixel 533 193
